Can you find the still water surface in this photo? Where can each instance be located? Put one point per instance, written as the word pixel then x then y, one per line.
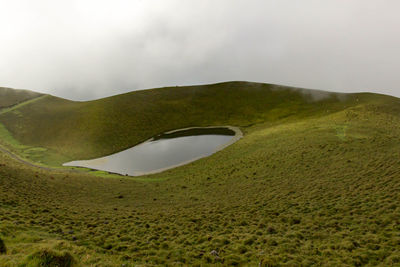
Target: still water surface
pixel 164 151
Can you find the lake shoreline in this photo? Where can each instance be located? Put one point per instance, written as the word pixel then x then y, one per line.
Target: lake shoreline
pixel 237 134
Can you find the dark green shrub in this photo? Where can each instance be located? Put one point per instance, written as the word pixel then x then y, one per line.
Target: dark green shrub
pixel 242 249
pixel 50 258
pixel 233 260
pixel 295 221
pixel 268 262
pixel 249 241
pixel 271 230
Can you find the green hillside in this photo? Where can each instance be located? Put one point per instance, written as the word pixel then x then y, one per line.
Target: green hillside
pixel 10 97
pixel 314 181
pixel 82 130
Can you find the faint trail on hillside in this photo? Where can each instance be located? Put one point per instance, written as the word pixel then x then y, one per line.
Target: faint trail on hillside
pixel 12 155
pixel 10 108
pixel 23 161
pixel 9 153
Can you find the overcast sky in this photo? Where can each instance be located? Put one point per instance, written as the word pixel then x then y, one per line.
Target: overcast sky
pixel 86 49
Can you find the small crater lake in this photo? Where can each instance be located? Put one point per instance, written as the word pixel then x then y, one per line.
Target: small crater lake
pixel 165 151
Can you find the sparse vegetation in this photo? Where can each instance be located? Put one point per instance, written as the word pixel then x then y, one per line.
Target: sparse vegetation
pixel 311 183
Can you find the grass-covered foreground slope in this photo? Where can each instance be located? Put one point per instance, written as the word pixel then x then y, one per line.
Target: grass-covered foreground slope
pixel 317 187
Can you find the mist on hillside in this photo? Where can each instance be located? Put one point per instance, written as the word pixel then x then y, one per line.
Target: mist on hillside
pixel 89 49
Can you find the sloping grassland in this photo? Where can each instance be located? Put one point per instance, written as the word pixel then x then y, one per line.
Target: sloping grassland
pixel 81 130
pixel 10 97
pixel 314 181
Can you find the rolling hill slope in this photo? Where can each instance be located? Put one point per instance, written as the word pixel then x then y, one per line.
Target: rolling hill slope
pixel 10 97
pixel 82 130
pixel 314 181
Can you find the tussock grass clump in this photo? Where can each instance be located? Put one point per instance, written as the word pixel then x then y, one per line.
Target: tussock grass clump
pixel 47 257
pixel 3 249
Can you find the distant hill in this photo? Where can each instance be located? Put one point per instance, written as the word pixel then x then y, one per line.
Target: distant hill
pixel 10 97
pixel 94 128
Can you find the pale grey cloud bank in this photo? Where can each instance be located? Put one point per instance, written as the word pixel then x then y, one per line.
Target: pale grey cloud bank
pixel 86 49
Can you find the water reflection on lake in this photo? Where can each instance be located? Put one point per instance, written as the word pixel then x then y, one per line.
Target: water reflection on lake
pixel 164 151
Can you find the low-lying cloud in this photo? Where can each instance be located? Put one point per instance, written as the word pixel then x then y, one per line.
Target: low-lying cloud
pixel 90 49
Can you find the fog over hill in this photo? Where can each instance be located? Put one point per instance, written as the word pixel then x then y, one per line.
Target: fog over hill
pixel 90 49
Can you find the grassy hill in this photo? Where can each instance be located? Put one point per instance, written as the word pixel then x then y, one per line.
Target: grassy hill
pixel 82 130
pixel 314 181
pixel 10 97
